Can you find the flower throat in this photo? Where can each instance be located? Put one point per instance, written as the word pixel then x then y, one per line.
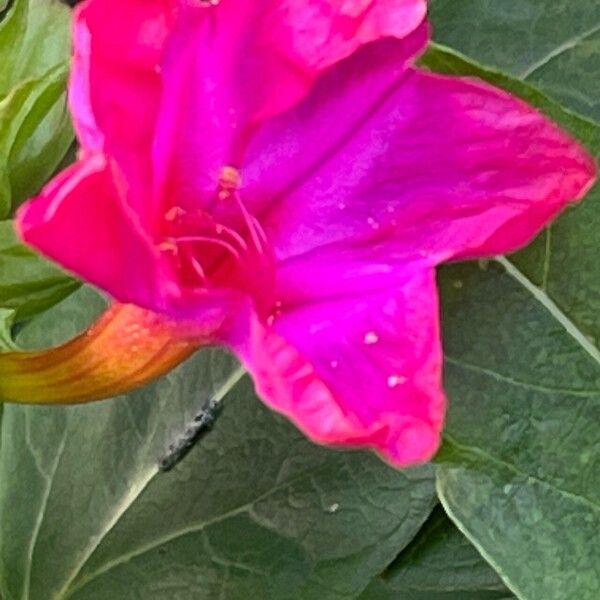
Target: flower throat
pixel 221 245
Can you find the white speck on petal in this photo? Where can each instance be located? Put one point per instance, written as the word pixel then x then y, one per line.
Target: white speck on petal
pixel 371 338
pixel 395 380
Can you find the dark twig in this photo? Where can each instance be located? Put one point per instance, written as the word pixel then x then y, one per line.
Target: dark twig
pixel 200 425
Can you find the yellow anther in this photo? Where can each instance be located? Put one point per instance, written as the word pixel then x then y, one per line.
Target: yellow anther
pixel 174 212
pixel 229 181
pixel 168 246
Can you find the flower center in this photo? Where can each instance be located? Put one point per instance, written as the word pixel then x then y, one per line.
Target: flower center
pixel 222 247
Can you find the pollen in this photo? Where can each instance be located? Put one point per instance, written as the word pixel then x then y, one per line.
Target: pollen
pixel 168 246
pixel 174 213
pixel 229 182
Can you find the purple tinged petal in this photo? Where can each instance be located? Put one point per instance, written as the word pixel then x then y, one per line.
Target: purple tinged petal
pixel 358 367
pixel 452 167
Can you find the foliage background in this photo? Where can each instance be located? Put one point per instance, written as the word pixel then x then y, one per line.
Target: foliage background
pixel 509 509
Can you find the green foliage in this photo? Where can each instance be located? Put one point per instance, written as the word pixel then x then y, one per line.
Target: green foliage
pixel 256 511
pixel 6 322
pixel 34 39
pixel 554 44
pixel 35 134
pixel 439 564
pixel 28 283
pixel 35 129
pixel 519 467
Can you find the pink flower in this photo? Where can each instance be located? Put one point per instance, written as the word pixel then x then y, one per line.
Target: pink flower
pixel 264 175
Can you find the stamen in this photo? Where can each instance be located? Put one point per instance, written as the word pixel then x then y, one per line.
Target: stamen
pixel 208 240
pixel 231 228
pixel 251 224
pixel 234 234
pixel 199 270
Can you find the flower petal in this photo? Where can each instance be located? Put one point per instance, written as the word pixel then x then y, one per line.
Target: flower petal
pixel 80 222
pixel 354 358
pixel 232 65
pixel 115 82
pixel 454 167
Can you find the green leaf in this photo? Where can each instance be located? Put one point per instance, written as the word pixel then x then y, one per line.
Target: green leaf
pixel 35 129
pixel 519 466
pixel 255 511
pixel 439 564
pixel 29 283
pixel 34 38
pixel 35 134
pixel 6 323
pixel 552 43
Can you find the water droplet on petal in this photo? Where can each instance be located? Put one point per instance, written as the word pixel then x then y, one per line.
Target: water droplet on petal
pixel 334 364
pixel 341 205
pixel 371 338
pixel 395 380
pixel 373 223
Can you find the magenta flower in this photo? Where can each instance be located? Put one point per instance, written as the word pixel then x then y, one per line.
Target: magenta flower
pixel 279 178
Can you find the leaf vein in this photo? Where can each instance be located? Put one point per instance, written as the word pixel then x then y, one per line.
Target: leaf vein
pixel 134 493
pixel 558 51
pixel 42 515
pixel 542 297
pixel 148 547
pixel 477 451
pixel 518 383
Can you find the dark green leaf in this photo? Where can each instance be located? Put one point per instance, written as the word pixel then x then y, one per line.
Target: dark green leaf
pixel 439 564
pixel 255 511
pixel 519 466
pixel 519 469
pixel 552 43
pixel 28 283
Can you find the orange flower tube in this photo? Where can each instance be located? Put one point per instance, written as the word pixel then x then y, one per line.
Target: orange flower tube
pixel 125 348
